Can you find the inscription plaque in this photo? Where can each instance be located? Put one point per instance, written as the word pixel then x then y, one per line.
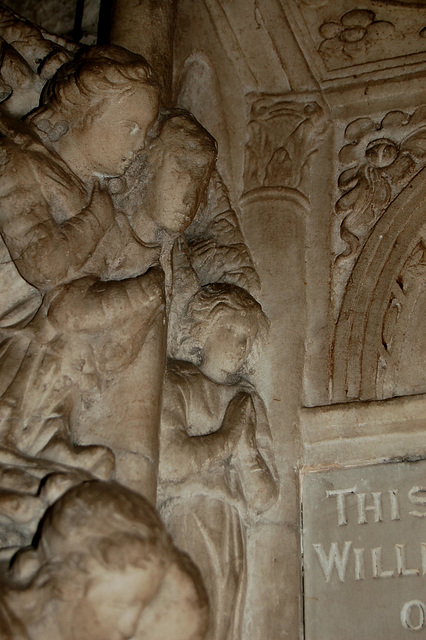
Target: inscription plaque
pixel 364 548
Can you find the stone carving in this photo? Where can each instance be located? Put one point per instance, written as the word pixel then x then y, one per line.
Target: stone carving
pixel 89 297
pixel 355 32
pixel 283 134
pixel 401 368
pixel 217 249
pixel 86 336
pixel 384 156
pixel 29 57
pixel 314 3
pixel 101 248
pixel 406 3
pixel 216 246
pixel 102 566
pixel 79 23
pixel 379 327
pixel 28 486
pixel 216 460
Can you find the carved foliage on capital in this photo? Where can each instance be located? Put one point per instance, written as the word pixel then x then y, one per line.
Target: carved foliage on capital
pixel 282 136
pixel 401 364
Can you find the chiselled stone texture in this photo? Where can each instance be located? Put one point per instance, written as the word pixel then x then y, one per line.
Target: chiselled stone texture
pixel 120 248
pixel 283 134
pixel 364 552
pixel 59 18
pixel 83 337
pixel 212 297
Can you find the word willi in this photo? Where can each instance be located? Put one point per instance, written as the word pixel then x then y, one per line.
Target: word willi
pixel 369 509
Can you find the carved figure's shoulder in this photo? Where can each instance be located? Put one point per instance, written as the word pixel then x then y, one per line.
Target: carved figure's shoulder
pixel 15 163
pixel 181 370
pixel 29 173
pixel 182 379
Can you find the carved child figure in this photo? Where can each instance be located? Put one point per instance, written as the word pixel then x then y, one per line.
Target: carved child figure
pixel 216 460
pixel 103 568
pixel 98 289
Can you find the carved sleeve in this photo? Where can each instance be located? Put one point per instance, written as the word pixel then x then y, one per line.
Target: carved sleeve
pixel 187 455
pixel 217 248
pixel 45 253
pixel 254 460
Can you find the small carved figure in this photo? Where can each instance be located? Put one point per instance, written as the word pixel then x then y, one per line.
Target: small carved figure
pixel 103 567
pixel 216 459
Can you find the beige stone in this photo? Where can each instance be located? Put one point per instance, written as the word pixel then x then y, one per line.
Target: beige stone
pixel 294 192
pixel 103 566
pixel 364 555
pixel 85 343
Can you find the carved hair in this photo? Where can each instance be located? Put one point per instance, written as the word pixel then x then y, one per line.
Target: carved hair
pixel 96 73
pixel 94 522
pixel 94 529
pixel 214 301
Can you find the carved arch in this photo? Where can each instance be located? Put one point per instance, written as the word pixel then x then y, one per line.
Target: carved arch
pixel 359 348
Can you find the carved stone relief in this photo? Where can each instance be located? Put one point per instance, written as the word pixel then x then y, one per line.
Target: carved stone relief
pixel 351 36
pixel 216 458
pixel 283 134
pixel 200 322
pixel 61 19
pixel 98 186
pixel 83 348
pixel 102 566
pixel 386 156
pixel 342 39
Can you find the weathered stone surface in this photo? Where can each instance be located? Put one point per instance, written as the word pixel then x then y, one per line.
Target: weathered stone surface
pixel 59 17
pixel 364 551
pixel 295 193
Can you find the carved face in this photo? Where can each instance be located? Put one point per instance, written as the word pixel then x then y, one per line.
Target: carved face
pixel 178 192
pixel 177 612
pixel 226 347
pixel 124 605
pixel 111 606
pixel 111 138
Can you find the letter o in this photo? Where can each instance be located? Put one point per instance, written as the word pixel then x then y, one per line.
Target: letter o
pixel 406 621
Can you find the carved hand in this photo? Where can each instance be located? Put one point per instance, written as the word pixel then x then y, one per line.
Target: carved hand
pixel 240 422
pixel 259 487
pixel 101 206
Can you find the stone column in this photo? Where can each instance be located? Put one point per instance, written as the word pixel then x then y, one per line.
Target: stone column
pixel 146 27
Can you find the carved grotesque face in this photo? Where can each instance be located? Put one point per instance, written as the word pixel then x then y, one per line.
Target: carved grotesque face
pixel 110 139
pixel 226 348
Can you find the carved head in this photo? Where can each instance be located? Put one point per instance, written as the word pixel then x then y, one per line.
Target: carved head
pixel 100 105
pixel 104 567
pixel 182 156
pixel 227 325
